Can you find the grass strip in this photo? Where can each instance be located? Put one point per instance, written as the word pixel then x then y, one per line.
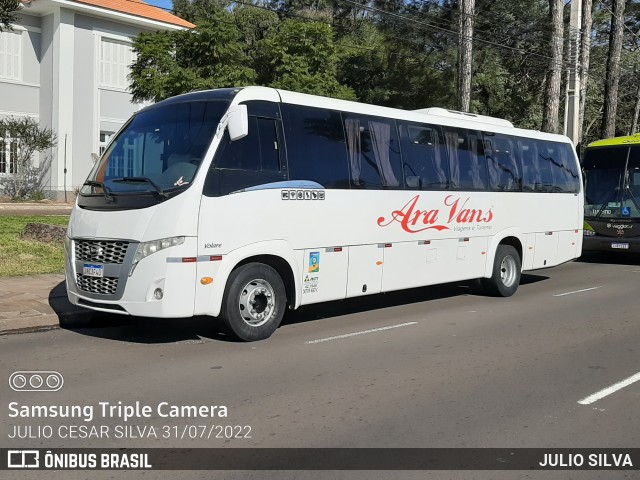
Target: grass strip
pixel 28 257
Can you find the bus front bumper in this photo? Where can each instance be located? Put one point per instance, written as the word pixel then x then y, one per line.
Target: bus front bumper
pixel 599 243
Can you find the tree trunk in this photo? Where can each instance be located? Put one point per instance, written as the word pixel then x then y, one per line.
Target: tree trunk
pixel 636 112
pixel 585 57
pixel 608 129
pixel 465 53
pixel 550 116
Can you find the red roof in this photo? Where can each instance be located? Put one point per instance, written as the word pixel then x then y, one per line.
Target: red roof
pixel 139 9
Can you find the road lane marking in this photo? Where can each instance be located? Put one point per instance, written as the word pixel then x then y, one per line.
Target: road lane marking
pixel 578 291
pixel 373 330
pixel 609 390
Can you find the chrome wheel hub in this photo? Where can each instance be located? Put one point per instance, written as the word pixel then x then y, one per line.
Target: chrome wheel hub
pixel 508 271
pixel 257 302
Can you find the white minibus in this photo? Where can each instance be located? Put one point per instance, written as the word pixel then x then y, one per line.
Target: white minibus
pixel 239 203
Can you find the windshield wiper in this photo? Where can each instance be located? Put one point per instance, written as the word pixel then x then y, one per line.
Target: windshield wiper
pixel 142 180
pixel 107 194
pixel 612 197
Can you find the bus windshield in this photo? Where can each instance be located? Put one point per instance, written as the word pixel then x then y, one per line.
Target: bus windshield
pixel 612 182
pixel 158 151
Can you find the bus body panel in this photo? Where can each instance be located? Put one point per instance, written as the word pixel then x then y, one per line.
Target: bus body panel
pixel 331 264
pixel 164 269
pixel 366 267
pixel 209 297
pixel 380 246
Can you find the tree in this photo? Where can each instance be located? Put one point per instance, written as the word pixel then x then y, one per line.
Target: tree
pixel 303 57
pixel 195 11
pixel 585 57
pixel 212 55
pixel 8 13
pixel 25 138
pixel 550 117
pixel 511 59
pixel 465 53
pixel 612 80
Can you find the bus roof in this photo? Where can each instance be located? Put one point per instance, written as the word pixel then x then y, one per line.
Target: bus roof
pixel 436 115
pixel 445 112
pixel 612 142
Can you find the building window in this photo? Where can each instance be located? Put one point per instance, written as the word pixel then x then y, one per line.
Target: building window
pixel 8 155
pixel 105 138
pixel 11 55
pixel 115 62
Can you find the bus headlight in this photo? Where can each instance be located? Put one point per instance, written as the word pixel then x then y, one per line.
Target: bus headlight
pixel 147 248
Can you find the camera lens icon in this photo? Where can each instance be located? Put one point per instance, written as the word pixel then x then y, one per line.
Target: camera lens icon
pixel 36 381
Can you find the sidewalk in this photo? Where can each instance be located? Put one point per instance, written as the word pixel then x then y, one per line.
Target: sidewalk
pixel 35 208
pixel 37 302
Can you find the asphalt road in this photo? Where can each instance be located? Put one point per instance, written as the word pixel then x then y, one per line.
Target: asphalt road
pixel 434 367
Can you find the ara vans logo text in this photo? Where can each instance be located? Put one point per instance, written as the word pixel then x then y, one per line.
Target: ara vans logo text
pixel 413 220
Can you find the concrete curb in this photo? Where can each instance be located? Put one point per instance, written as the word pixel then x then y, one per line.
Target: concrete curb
pixel 39 302
pixel 31 206
pixel 13 326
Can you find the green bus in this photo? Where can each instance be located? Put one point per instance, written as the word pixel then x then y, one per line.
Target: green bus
pixel 612 195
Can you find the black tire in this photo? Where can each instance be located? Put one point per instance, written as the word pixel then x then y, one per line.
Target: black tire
pixel 254 302
pixel 507 268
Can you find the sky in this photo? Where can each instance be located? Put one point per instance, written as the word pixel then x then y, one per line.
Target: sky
pixel 165 4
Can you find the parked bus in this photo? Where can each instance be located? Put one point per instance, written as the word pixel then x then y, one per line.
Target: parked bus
pixel 239 203
pixel 612 195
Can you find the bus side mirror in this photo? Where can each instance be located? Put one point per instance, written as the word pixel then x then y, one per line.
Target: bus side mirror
pixel 238 122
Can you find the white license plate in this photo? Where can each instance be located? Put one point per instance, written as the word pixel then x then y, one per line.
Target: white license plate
pixel 624 246
pixel 89 270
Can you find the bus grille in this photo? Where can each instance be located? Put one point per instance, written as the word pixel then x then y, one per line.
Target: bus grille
pixel 101 285
pixel 101 251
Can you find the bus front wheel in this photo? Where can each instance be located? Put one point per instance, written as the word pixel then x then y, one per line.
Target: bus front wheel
pixel 505 277
pixel 254 302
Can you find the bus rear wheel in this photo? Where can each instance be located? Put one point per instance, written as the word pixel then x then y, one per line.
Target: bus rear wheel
pixel 505 277
pixel 254 302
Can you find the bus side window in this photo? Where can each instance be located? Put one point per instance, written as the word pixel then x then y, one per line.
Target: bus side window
pixel 243 154
pixel 467 163
pixel 531 176
pixel 258 151
pixel 374 156
pixel 248 162
pixel 316 148
pixel 565 167
pixel 634 171
pixel 423 157
pixel 504 172
pixel 548 166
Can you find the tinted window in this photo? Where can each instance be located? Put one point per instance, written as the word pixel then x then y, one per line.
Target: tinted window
pixel 634 172
pixel 164 143
pixel 467 165
pixel 504 171
pixel 248 162
pixel 374 155
pixel 565 167
pixel 316 148
pixel 424 159
pixel 548 166
pixel 258 151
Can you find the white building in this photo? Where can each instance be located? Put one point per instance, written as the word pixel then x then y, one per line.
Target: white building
pixel 65 64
